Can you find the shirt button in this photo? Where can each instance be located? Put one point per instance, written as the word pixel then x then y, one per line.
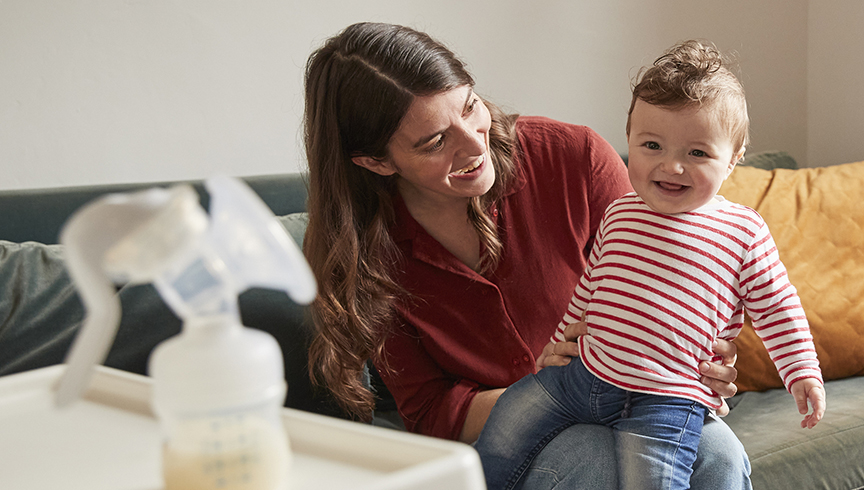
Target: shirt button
pixel 515 361
pixel 495 212
pixel 526 358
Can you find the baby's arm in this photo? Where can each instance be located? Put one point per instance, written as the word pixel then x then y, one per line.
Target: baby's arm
pixel 563 345
pixel 809 389
pixel 779 320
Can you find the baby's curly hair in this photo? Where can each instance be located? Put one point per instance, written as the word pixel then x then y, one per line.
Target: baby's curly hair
pixel 695 73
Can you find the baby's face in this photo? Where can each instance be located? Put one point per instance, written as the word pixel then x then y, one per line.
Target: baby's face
pixel 678 158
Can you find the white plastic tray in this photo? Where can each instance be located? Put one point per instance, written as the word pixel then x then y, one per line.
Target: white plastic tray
pixel 110 440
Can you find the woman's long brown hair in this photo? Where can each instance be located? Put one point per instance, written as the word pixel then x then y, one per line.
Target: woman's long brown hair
pixel 359 85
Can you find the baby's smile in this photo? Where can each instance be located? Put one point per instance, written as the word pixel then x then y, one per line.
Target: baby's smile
pixel 669 186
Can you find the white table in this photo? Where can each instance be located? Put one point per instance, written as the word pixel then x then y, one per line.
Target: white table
pixel 110 440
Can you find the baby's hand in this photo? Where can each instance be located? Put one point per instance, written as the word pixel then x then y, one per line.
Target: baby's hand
pixel 809 389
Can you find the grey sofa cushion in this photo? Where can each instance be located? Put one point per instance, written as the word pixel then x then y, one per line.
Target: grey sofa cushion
pixel 40 314
pixel 785 456
pixel 295 224
pixel 768 160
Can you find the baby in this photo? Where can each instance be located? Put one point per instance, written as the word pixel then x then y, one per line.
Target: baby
pixel 673 268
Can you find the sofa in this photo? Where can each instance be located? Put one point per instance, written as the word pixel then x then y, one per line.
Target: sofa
pixel 815 215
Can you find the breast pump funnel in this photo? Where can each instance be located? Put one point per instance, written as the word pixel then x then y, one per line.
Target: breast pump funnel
pixel 218 386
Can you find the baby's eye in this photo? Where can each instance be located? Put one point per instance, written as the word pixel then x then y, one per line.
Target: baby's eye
pixel 698 153
pixel 652 145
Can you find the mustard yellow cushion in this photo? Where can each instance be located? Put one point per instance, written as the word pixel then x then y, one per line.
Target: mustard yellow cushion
pixel 816 216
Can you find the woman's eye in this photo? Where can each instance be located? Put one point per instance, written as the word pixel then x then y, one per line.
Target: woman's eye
pixel 651 145
pixel 698 153
pixel 437 144
pixel 470 107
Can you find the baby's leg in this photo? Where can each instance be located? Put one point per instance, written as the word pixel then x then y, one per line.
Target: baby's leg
pixel 528 415
pixel 657 442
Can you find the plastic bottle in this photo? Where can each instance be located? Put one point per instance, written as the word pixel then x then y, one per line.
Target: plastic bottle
pixel 218 387
pixel 218 390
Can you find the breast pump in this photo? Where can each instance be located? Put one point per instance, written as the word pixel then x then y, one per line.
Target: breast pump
pixel 218 387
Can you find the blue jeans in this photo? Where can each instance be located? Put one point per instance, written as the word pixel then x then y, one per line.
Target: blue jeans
pixel 530 441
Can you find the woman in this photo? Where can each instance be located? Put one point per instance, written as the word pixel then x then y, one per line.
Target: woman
pixel 446 237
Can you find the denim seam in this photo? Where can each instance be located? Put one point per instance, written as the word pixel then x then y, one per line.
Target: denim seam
pixel 691 413
pixel 594 400
pixel 517 474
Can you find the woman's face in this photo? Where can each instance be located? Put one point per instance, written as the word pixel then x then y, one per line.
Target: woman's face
pixel 441 149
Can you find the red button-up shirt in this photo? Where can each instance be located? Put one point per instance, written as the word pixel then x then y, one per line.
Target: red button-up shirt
pixel 462 332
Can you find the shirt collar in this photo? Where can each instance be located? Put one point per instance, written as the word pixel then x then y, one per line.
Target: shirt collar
pixel 405 227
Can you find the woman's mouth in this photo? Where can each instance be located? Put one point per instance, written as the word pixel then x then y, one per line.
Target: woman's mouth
pixel 471 166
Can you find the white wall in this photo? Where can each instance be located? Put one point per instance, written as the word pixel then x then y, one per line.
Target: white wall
pixel 835 92
pixel 107 91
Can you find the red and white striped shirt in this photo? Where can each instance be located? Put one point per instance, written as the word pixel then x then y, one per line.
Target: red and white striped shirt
pixel 660 288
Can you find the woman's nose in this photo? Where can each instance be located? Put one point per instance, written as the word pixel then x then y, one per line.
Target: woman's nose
pixel 474 141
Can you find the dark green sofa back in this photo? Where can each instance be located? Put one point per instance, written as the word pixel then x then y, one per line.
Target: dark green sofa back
pixel 38 214
pixel 40 312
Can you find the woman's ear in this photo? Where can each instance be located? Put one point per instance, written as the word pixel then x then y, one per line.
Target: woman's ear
pixel 379 166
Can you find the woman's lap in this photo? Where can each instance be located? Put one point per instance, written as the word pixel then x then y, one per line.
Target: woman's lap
pixel 721 462
pixel 583 456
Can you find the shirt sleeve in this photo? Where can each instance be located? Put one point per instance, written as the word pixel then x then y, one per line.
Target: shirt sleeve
pixel 778 317
pixel 430 401
pixel 609 181
pixel 581 293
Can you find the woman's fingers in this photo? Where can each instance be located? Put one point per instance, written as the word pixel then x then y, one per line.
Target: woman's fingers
pixel 575 330
pixel 560 353
pixel 727 350
pixel 566 349
pixel 719 378
pixel 557 354
pixel 724 408
pixel 555 360
pixel 715 377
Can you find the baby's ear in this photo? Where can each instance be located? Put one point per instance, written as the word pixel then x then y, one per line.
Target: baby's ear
pixel 735 159
pixel 379 166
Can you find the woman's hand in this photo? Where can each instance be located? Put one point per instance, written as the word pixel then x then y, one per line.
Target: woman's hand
pixel 478 412
pixel 560 353
pixel 721 377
